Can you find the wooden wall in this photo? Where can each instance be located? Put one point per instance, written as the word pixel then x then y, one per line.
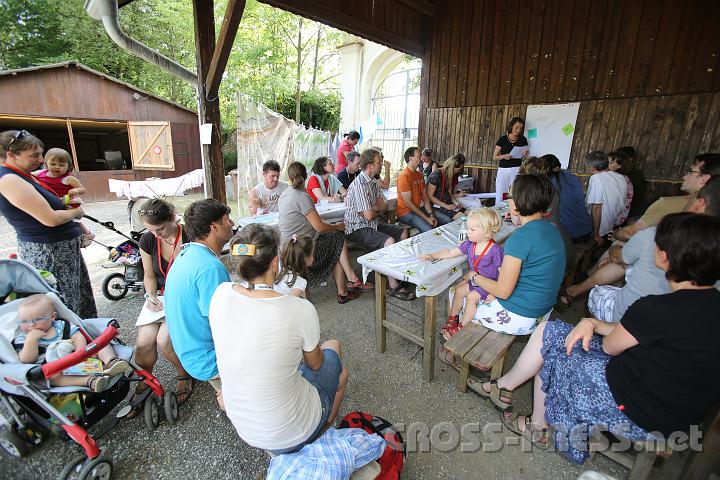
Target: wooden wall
pixel 647 74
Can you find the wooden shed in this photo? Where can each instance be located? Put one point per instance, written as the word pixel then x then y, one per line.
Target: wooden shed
pixel 111 128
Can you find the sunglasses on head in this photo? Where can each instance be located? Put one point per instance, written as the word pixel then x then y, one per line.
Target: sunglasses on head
pixel 18 136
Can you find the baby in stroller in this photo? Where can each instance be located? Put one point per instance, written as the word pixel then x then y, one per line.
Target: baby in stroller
pixel 40 329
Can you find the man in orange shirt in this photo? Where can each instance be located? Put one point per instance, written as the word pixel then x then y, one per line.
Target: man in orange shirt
pixel 413 202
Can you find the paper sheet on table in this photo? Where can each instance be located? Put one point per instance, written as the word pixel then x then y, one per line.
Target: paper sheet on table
pixel 518 152
pixel 147 316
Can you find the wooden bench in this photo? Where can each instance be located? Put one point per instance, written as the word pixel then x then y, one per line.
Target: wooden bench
pixel 639 458
pixel 480 347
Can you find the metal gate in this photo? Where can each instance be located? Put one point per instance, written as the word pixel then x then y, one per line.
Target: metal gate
pixel 397 102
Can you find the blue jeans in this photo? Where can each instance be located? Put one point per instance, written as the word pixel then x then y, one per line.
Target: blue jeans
pixel 326 380
pixel 414 220
pixel 442 215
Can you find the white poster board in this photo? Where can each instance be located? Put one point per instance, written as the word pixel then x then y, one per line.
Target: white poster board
pixel 550 129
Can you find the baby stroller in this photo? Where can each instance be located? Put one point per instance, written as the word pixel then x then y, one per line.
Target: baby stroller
pixel 34 408
pixel 126 255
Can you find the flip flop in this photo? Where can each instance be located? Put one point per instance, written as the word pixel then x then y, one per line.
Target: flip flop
pixel 529 432
pixel 561 306
pixel 447 357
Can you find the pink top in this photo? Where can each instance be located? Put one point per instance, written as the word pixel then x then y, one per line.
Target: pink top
pixel 341 160
pixel 58 184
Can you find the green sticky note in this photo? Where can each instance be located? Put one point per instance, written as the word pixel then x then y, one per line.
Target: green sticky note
pixel 532 133
pixel 568 129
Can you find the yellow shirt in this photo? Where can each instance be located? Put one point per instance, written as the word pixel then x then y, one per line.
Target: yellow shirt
pixel 663 206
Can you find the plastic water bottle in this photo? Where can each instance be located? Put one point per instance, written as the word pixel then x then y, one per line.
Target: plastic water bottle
pixel 462 236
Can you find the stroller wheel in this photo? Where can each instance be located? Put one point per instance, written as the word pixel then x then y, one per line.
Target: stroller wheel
pixel 114 287
pixel 171 407
pixel 99 468
pixel 72 469
pixel 13 444
pixel 151 413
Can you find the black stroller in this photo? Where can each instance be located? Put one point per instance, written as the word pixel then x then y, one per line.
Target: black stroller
pixel 126 256
pixel 35 408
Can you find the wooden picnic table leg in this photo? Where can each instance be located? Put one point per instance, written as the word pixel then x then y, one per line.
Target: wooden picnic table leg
pixel 380 311
pixel 429 338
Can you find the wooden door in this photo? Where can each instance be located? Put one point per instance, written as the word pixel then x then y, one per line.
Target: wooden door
pixel 151 146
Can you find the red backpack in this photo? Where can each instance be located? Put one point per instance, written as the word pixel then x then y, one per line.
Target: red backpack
pixel 393 458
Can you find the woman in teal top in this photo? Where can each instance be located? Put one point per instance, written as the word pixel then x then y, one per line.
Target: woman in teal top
pixel 533 266
pixel 532 269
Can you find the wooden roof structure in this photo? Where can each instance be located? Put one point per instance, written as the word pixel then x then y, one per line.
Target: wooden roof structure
pixel 646 73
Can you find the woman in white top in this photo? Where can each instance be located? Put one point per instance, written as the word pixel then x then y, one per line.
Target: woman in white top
pixel 280 386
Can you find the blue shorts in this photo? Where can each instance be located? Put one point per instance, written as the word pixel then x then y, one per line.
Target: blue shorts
pixel 325 380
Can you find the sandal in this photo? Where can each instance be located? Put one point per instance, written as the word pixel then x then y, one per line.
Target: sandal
pixel 530 433
pixel 400 294
pixel 183 394
pixel 116 366
pixel 495 394
pixel 350 295
pixel 561 305
pixel 359 285
pixel 447 357
pixel 98 384
pixel 452 327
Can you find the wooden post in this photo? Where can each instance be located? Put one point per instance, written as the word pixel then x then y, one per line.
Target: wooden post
pixel 380 310
pixel 76 166
pixel 208 108
pixel 429 338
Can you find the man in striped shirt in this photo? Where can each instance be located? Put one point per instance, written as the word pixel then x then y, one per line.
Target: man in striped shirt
pixel 364 203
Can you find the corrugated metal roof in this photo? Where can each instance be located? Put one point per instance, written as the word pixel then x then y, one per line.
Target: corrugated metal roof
pixel 80 66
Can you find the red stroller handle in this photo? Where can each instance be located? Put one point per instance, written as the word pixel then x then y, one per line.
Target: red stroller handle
pixel 53 368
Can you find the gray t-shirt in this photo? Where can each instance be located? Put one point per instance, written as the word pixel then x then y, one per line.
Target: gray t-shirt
pixel 269 198
pixel 642 277
pixel 293 205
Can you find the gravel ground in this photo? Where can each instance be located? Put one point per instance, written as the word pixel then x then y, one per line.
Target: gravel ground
pixel 203 443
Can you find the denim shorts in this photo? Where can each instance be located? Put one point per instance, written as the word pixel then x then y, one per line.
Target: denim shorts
pixel 325 380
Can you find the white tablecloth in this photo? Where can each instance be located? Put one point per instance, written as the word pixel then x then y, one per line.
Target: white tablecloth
pixel 331 213
pixel 155 188
pixel 401 260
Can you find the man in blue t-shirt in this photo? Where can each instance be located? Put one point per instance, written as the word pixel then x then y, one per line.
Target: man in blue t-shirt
pixel 191 283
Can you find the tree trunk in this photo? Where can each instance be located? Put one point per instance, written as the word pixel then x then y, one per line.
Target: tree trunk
pixel 299 65
pixel 315 63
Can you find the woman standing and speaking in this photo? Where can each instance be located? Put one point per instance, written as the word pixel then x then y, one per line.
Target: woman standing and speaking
pixel 509 166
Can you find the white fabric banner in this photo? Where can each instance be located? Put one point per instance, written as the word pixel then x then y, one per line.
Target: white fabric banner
pixel 550 129
pixel 264 135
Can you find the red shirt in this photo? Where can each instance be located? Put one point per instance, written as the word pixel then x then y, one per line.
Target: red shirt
pixel 314 183
pixel 58 184
pixel 341 160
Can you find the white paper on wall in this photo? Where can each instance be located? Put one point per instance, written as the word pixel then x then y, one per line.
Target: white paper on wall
pixel 550 129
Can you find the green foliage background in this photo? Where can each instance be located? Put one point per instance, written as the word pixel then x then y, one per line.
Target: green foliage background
pixel 263 63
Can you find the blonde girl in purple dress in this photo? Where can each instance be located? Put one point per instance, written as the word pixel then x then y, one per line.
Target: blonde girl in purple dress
pixel 484 257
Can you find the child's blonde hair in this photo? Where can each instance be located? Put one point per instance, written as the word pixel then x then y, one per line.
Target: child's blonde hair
pixel 60 155
pixel 293 256
pixel 486 218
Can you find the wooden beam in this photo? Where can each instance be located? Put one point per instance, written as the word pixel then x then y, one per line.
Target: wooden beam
pixel 321 13
pixel 68 123
pixel 208 107
pixel 231 21
pixel 421 6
